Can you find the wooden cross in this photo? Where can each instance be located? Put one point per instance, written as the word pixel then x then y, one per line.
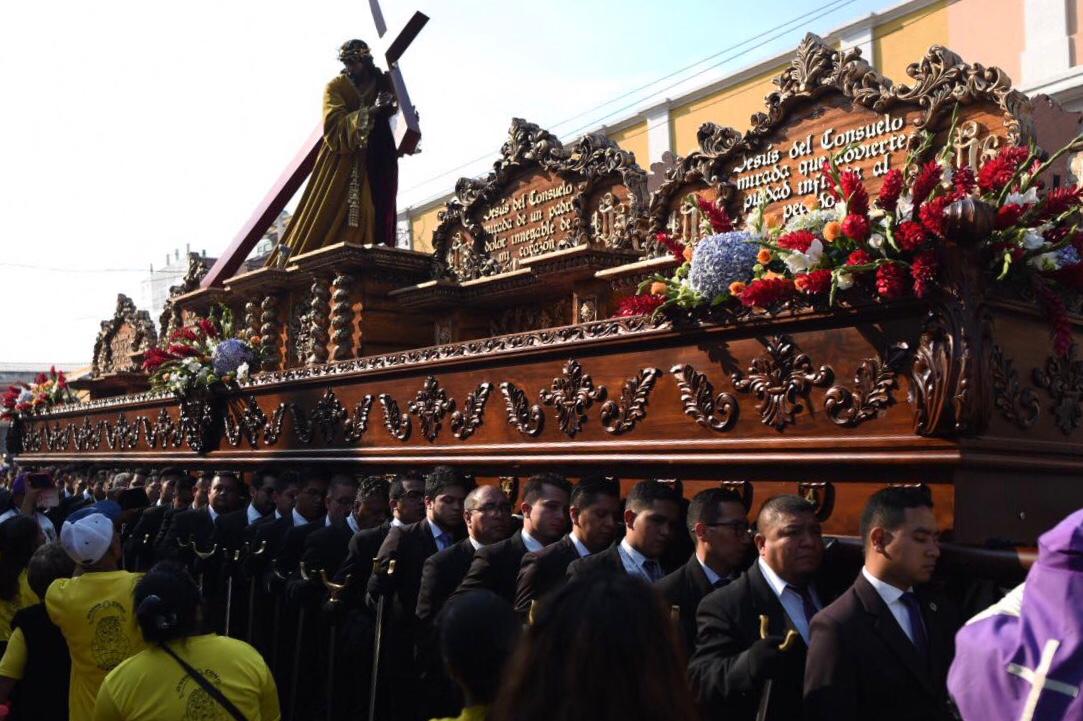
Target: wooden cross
pixel 404 128
pixel 1039 681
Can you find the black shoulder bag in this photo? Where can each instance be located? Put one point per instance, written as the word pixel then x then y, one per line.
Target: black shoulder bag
pixel 206 685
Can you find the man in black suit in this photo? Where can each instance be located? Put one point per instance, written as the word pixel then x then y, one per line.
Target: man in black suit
pixel 718 526
pixel 308 516
pixel 545 518
pixel 371 507
pixel 883 649
pixel 263 538
pixel 594 513
pixel 732 663
pixel 651 511
pixel 139 550
pixel 194 530
pixel 406 502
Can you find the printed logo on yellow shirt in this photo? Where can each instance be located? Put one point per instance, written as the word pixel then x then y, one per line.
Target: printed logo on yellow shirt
pixel 108 646
pixel 199 705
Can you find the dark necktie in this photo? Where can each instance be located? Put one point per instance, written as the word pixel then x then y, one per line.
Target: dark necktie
pixel 720 583
pixel 654 571
pixel 807 604
pixel 917 624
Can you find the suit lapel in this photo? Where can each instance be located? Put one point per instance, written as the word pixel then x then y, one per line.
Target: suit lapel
pixel 888 629
pixel 427 540
pixel 766 602
pixel 697 578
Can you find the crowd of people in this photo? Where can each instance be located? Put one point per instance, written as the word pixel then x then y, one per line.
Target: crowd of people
pixel 317 594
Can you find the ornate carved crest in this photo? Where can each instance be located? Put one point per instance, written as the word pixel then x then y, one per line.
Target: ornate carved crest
pixel 464 422
pixel 875 381
pixel 430 405
pixel 169 320
pixel 396 423
pixel 821 494
pixel 1062 379
pixel 572 393
pixel 129 331
pixel 718 413
pixel 622 417
pixel 1018 405
pixel 780 378
pixel 247 422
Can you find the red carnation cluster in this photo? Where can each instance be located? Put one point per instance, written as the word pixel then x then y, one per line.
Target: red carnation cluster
pixel 186 333
pixel 720 219
pixel 798 240
pixel 910 235
pixel 859 257
pixel 817 282
pixel 923 271
pixel 639 305
pixel 767 291
pixel 154 357
pixel 857 198
pixel 891 281
pixel 1057 201
pixel 856 227
pixel 1058 318
pixel 927 180
pixel 1008 215
pixel 998 171
pixel 890 190
pixel 674 246
pixel 827 173
pixel 208 327
pixel 932 215
pixel 964 182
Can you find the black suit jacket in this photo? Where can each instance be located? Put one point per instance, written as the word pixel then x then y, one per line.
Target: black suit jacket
pixel 496 567
pixel 325 549
pixel 409 546
pixel 861 664
pixel 182 528
pixel 363 547
pixel 728 623
pixel 685 588
pixel 441 574
pixel 607 561
pixel 543 572
pixel 139 548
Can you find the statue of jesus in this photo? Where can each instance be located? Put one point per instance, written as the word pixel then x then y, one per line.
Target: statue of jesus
pixel 350 196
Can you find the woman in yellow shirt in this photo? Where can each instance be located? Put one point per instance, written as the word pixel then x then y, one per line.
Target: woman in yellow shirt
pixel 20 536
pixel 184 673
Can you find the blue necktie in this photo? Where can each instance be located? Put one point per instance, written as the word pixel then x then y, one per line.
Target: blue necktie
pixel 917 624
pixel 443 540
pixel 654 571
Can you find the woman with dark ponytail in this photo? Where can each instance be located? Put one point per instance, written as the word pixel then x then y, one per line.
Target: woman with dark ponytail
pixel 185 673
pixel 20 536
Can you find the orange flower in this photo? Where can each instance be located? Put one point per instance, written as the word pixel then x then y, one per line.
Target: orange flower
pixel 832 231
pixel 737 287
pixel 688 252
pixel 763 257
pixel 773 221
pixel 658 288
pixel 772 274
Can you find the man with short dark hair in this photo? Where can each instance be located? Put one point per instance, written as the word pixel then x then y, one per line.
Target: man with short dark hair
pixel 718 526
pixel 883 649
pixel 732 662
pixel 193 530
pixel 406 502
pixel 370 508
pixel 650 513
pixel 139 549
pixel 594 513
pixel 545 517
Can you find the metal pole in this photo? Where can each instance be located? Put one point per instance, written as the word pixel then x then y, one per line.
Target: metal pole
pixel 380 605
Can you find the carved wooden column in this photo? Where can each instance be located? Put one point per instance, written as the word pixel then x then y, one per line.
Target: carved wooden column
pixel 251 321
pixel 319 320
pixel 342 317
pixel 269 331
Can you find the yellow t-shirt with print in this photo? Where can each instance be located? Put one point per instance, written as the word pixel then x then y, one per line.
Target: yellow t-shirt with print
pixel 152 685
pixel 95 613
pixel 23 597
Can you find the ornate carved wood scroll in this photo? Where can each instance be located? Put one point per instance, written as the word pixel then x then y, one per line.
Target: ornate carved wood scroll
pixel 718 413
pixel 780 378
pixel 622 417
pixel 527 419
pixel 396 423
pixel 464 422
pixel 430 405
pixel 1018 405
pixel 875 381
pixel 248 424
pixel 572 394
pixel 129 331
pixel 540 197
pixel 1062 379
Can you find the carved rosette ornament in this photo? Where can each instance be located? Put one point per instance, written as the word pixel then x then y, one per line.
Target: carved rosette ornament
pixel 430 405
pixel 718 413
pixel 318 320
pixel 780 378
pixel 268 332
pixel 341 317
pixel 464 422
pixel 396 422
pixel 622 417
pixel 875 380
pixel 1062 379
pixel 1018 405
pixel 572 394
pixel 526 418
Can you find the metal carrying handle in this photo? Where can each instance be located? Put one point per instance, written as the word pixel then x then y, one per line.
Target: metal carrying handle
pixel 203 555
pixel 259 551
pixel 791 635
pixel 333 589
pixel 304 572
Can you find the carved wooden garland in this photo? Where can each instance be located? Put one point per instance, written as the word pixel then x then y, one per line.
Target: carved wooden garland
pixel 780 378
pixel 875 380
pixel 1062 379
pixel 718 413
pixel 1018 405
pixel 622 417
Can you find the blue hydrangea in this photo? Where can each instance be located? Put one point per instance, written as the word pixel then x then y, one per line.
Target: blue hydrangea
pixel 229 355
pixel 1067 255
pixel 720 260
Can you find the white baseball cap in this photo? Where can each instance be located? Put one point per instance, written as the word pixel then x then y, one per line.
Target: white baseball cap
pixel 88 539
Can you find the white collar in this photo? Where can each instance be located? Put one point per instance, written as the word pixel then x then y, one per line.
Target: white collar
pixel 327 521
pixel 277 515
pixel 298 519
pixel 352 523
pixel 396 523
pixel 253 514
pixel 532 544
pixel 580 547
pixel 773 579
pixel 213 514
pixel 712 577
pixel 889 593
pixel 475 543
pixel 638 558
pixel 435 530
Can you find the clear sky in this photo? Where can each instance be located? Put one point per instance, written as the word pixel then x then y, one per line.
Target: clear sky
pixel 130 128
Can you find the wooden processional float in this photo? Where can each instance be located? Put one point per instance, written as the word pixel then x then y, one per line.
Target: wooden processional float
pixel 498 352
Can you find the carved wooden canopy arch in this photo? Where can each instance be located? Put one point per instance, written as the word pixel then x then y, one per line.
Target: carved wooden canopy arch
pixel 590 166
pixel 128 331
pixel 940 82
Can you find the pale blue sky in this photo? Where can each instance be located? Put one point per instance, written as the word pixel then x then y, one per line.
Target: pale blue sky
pixel 130 128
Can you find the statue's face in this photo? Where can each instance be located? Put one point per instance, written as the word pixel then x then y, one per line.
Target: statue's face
pixel 355 67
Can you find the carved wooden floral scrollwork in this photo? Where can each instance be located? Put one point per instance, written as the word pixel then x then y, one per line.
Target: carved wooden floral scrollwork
pixel 526 418
pixel 327 415
pixel 302 427
pixel 780 378
pixel 718 413
pixel 1062 379
pixel 572 394
pixel 430 405
pixel 196 421
pixel 622 417
pixel 247 424
pixel 464 422
pixel 396 422
pixel 356 425
pixel 875 381
pixel 1018 405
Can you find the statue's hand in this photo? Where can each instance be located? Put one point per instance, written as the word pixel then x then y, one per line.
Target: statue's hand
pixel 385 104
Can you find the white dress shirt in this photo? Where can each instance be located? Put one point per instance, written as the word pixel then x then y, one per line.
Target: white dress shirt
pixel 298 519
pixel 892 596
pixel 712 577
pixel 212 513
pixel 352 523
pixel 532 544
pixel 396 523
pixel 253 514
pixel 475 543
pixel 790 599
pixel 633 561
pixel 580 547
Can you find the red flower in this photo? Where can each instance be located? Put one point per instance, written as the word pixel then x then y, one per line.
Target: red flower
pixel 890 190
pixel 674 246
pixel 1008 215
pixel 964 182
pixel 1057 201
pixel 767 291
pixel 859 257
pixel 185 333
pixel 857 199
pixel 932 215
pixel 639 305
pixel 829 179
pixel 996 172
pixel 891 281
pixel 856 227
pixel 720 219
pixel 181 351
pixel 817 282
pixel 61 380
pixel 910 235
pixel 208 327
pixel 40 378
pixel 923 271
pixel 927 179
pixel 154 358
pixel 1057 314
pixel 798 240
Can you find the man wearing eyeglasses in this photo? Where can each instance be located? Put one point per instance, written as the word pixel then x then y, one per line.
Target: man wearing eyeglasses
pixel 718 526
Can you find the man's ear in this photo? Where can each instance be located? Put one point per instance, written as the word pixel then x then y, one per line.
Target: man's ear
pixel 629 518
pixel 524 509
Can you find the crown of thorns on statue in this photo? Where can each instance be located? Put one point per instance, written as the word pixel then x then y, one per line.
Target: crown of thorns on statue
pixel 353 50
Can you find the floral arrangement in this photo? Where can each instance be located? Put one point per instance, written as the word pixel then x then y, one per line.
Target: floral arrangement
pixel 889 248
pixel 201 357
pixel 47 389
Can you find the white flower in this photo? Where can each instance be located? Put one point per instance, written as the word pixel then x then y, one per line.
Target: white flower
pixel 1033 239
pixel 1045 261
pixel 754 220
pixel 242 372
pixel 191 364
pixel 949 173
pixel 876 241
pixel 799 262
pixel 1028 198
pixel 877 214
pixel 904 208
pixel 843 279
pixel 840 211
